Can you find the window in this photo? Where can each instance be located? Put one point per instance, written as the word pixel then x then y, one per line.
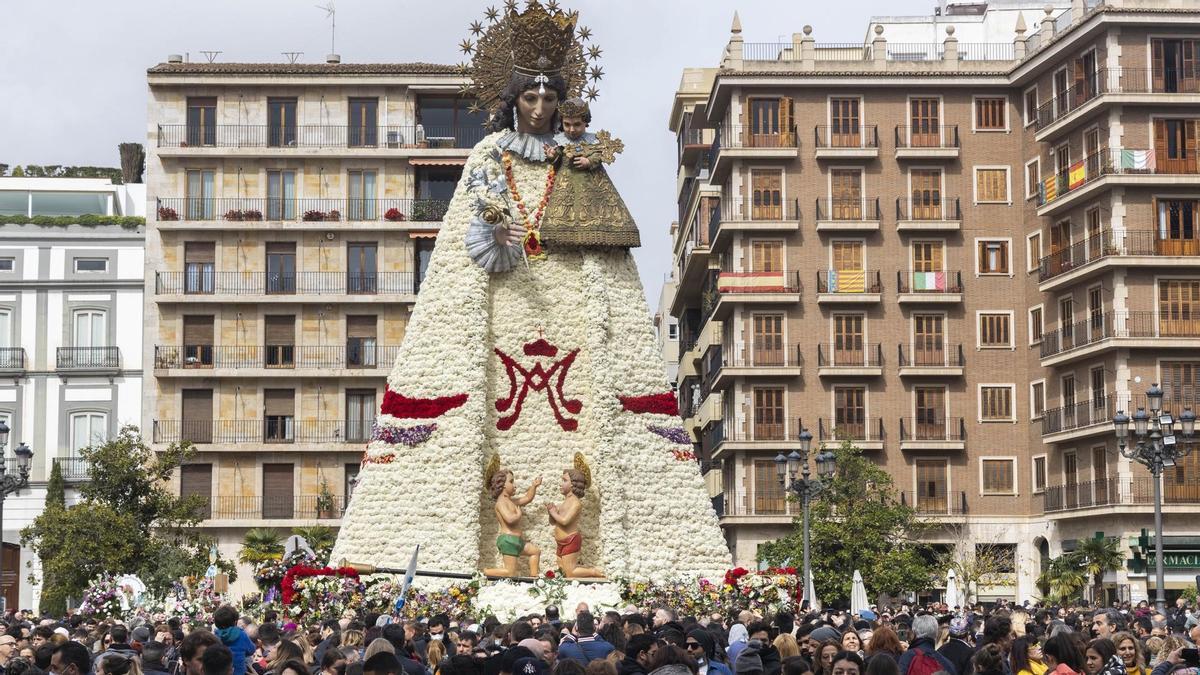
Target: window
pixel 279 415
pixel 770 123
pixel 766 188
pixel 196 415
pixel 1175 145
pixel 6 337
pixel 281 122
pixel 360 341
pixel 1173 64
pixel 281 195
pixel 931 486
pixel 925 130
pixel 199 266
pixel 766 256
pixel 993 256
pixel 195 480
pixel 1033 177
pixel 1039 474
pixel 844 123
pixel 848 346
pixel 361 273
pixel 850 413
pixel 360 414
pixel 361 203
pixel 995 330
pixel 1035 325
pixel 995 402
pixel 991 185
pixel 768 414
pixel 7 264
pixel 991 114
pixel 449 122
pixel 279 491
pixel 998 475
pixel 929 340
pixel 87 429
pixel 361 126
pixel 201 120
pixel 1031 105
pixel 1004 555
pixel 201 191
pixel 1178 233
pixel 1179 308
pixel 279 339
pixel 91 264
pixel 672 331
pixel 1037 399
pixel 281 267
pixel 91 328
pixel 926 192
pixel 768 340
pixel 845 186
pixel 1033 252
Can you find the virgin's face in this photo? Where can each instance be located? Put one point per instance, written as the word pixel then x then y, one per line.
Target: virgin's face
pixel 535 111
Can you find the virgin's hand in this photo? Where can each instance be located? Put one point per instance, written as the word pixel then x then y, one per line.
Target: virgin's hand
pixel 551 151
pixel 509 235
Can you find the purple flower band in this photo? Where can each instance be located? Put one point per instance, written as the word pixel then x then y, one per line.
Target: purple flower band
pixel 673 434
pixel 410 436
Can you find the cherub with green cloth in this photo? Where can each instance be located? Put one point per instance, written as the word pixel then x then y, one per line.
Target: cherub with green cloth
pixel 510 541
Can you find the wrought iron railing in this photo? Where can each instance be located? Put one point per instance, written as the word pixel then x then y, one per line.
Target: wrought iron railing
pixel 938 502
pixel 1106 244
pixel 860 355
pixel 933 283
pixel 851 428
pixel 940 356
pixel 350 356
pixel 277 429
pixel 209 282
pixel 865 136
pixel 88 358
pixel 12 358
pixel 932 428
pixel 919 136
pixel 849 281
pixel 1080 415
pixel 288 136
pixel 1121 491
pixel 314 209
pixel 936 209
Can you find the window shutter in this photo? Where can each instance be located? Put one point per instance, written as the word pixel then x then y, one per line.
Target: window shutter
pixel 1187 79
pixel 361 326
pixel 197 330
pixel 1189 144
pixel 278 490
pixel 1158 67
pixel 279 402
pixel 1160 141
pixel 195 480
pixel 281 248
pixel 280 330
pixel 785 121
pixel 199 252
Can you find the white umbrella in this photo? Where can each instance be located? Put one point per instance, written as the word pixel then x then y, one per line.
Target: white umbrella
pixel 858 595
pixel 951 590
pixel 810 594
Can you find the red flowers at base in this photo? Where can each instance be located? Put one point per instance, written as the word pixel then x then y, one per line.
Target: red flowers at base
pixel 288 586
pixel 549 574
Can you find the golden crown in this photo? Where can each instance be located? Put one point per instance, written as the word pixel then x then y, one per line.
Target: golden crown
pixel 543 41
pixel 573 107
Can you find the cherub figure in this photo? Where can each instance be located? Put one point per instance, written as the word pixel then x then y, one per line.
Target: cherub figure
pixel 565 518
pixel 511 542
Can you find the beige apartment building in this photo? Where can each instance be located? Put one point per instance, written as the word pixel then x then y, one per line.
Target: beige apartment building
pixel 964 257
pixel 293 211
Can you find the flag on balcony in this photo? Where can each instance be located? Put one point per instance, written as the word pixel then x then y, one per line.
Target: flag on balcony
pixel 751 282
pixel 929 281
pixel 1050 189
pixel 1076 175
pixel 1137 160
pixel 847 281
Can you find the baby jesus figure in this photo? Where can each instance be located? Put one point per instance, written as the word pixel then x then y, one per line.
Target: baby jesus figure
pixel 584 208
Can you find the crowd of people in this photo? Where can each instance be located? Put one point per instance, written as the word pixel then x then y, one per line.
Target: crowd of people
pixel 932 640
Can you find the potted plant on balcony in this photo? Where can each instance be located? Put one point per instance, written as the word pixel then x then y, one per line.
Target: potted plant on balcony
pixel 394 215
pixel 313 215
pixel 167 213
pixel 234 214
pixel 324 501
pixel 252 214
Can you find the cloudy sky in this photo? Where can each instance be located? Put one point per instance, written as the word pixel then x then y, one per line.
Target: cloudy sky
pixel 72 72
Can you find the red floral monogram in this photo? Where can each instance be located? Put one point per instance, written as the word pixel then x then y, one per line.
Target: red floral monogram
pixel 538 378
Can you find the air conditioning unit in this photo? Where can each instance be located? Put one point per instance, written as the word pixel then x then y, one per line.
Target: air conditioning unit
pixel 394 139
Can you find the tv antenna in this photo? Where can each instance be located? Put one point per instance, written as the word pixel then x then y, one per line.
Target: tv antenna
pixel 331 14
pixel 210 55
pixel 292 56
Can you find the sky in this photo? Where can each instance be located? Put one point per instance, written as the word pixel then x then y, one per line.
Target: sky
pixel 73 72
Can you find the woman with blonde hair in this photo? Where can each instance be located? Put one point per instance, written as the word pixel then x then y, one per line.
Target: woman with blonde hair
pixel 352 645
pixel 378 645
pixel 787 646
pixel 1170 644
pixel 1129 649
pixel 434 654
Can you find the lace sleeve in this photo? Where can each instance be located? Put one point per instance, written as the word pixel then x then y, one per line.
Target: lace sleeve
pixel 487 192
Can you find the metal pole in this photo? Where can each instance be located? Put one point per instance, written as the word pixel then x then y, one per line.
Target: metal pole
pixel 1156 466
pixel 3 590
pixel 807 570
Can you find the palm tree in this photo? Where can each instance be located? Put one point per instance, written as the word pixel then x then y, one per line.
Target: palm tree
pixel 1095 557
pixel 1062 578
pixel 320 538
pixel 260 544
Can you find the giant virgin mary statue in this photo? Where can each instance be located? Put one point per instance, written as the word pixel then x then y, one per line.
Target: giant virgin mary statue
pixel 531 347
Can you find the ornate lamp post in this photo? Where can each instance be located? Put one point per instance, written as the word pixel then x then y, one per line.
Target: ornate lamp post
pixel 10 484
pixel 805 488
pixel 1155 446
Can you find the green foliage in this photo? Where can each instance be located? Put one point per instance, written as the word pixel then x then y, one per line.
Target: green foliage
pixel 56 488
pixel 87 220
pixel 857 523
pixel 1062 579
pixel 320 538
pixel 259 545
pixel 1096 556
pixel 1190 594
pixel 127 521
pixel 60 171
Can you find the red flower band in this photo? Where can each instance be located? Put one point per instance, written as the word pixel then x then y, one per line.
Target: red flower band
pixel 399 405
pixel 659 404
pixel 288 586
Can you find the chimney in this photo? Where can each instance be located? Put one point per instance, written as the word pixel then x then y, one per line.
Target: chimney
pixel 174 58
pixel 333 58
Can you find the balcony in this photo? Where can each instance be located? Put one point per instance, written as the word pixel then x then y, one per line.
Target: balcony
pixel 859 142
pixel 734 217
pixel 739 141
pixel 12 360
pixel 932 433
pixel 915 214
pixel 932 361
pixel 723 365
pixel 862 360
pixel 297 139
pixel 866 433
pixel 286 430
pixel 1113 166
pixel 74 469
pixel 938 503
pixel 272 213
pixel 1082 419
pixel 848 215
pixel 266 361
pixel 1126 491
pixel 928 287
pixel 848 286
pixel 1112 86
pixel 724 435
pixel 1099 252
pixel 88 360
pixel 1123 329
pixel 754 288
pixel 922 142
pixel 204 285
pixel 772 506
pixel 693 143
pixel 245 510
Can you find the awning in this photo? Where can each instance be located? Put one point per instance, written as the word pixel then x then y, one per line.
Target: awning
pixel 437 161
pixel 423 235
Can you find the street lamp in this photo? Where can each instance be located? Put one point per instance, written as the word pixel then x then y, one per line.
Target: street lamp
pixel 1155 446
pixel 805 488
pixel 10 484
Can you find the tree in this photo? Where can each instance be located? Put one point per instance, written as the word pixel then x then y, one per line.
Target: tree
pixel 1096 556
pixel 133 162
pixel 857 523
pixel 56 488
pixel 1062 579
pixel 259 545
pixel 974 564
pixel 320 538
pixel 127 521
